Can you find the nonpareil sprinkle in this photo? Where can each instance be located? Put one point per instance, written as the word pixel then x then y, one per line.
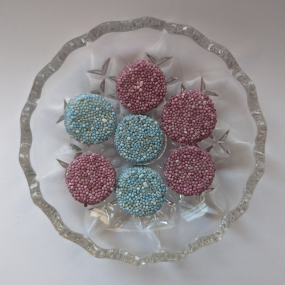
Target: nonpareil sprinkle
pixel 189 117
pixel 189 170
pixel 90 119
pixel 140 191
pixel 141 86
pixel 90 178
pixel 139 138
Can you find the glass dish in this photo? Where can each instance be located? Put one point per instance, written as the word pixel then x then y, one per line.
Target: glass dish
pixel 184 224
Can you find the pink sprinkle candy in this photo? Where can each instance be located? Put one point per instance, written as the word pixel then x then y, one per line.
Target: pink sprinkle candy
pixel 189 117
pixel 189 170
pixel 141 86
pixel 90 178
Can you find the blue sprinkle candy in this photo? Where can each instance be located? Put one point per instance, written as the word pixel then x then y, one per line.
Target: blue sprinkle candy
pixel 139 138
pixel 85 113
pixel 136 193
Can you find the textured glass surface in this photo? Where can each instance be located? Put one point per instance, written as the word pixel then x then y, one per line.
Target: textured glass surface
pixel 217 144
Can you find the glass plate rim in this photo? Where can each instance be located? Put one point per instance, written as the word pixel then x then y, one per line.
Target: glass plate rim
pixel 124 26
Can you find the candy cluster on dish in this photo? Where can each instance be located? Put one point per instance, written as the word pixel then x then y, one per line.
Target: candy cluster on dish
pixel 187 118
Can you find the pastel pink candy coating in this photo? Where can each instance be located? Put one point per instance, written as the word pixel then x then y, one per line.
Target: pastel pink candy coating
pixel 189 117
pixel 90 178
pixel 141 86
pixel 189 170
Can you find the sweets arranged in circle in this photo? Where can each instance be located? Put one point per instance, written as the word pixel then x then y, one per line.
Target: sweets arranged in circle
pixel 140 191
pixel 189 170
pixel 90 178
pixel 189 117
pixel 141 86
pixel 139 138
pixel 90 119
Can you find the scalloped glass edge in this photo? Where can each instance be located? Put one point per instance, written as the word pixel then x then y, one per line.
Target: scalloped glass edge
pixel 125 26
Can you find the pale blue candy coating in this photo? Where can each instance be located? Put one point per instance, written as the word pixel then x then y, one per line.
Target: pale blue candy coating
pixel 139 138
pixel 90 119
pixel 140 191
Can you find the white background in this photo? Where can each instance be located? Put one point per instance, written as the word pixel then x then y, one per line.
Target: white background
pixel 252 251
